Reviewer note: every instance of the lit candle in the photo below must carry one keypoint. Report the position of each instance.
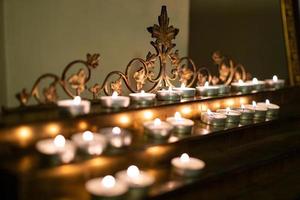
(224, 89)
(115, 101)
(187, 166)
(208, 90)
(233, 116)
(213, 118)
(243, 87)
(185, 91)
(117, 137)
(275, 82)
(107, 188)
(89, 143)
(273, 109)
(57, 150)
(259, 111)
(181, 125)
(246, 114)
(158, 129)
(168, 95)
(142, 98)
(75, 106)
(257, 84)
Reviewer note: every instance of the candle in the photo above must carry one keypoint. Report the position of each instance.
(57, 150)
(158, 129)
(168, 95)
(259, 111)
(275, 82)
(106, 188)
(243, 87)
(233, 116)
(115, 101)
(185, 91)
(273, 109)
(187, 166)
(246, 114)
(213, 118)
(90, 143)
(224, 89)
(75, 106)
(181, 125)
(117, 137)
(208, 90)
(257, 85)
(142, 98)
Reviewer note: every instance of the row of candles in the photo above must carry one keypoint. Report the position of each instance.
(78, 106)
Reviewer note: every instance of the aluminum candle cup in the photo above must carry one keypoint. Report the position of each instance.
(246, 114)
(138, 181)
(142, 98)
(208, 90)
(213, 118)
(117, 137)
(242, 87)
(181, 125)
(107, 188)
(259, 111)
(187, 166)
(115, 101)
(275, 82)
(56, 151)
(89, 143)
(185, 91)
(233, 116)
(257, 85)
(168, 95)
(75, 106)
(224, 89)
(273, 109)
(158, 129)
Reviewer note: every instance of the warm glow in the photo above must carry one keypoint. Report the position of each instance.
(186, 110)
(275, 78)
(108, 181)
(206, 84)
(143, 92)
(148, 114)
(216, 105)
(24, 133)
(267, 101)
(116, 130)
(182, 85)
(59, 141)
(77, 100)
(254, 103)
(184, 158)
(157, 122)
(241, 82)
(82, 125)
(209, 112)
(177, 116)
(52, 129)
(254, 80)
(229, 102)
(243, 100)
(133, 171)
(124, 120)
(87, 136)
(115, 94)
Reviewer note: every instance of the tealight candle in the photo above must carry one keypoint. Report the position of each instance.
(213, 118)
(187, 166)
(275, 82)
(243, 87)
(57, 150)
(158, 129)
(168, 95)
(257, 85)
(75, 106)
(142, 98)
(259, 111)
(208, 90)
(115, 101)
(185, 91)
(106, 188)
(117, 137)
(233, 116)
(90, 143)
(246, 114)
(181, 125)
(224, 89)
(273, 109)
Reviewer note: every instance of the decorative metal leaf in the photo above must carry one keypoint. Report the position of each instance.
(93, 60)
(23, 97)
(50, 94)
(77, 81)
(95, 90)
(117, 86)
(140, 78)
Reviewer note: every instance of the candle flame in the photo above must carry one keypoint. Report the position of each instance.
(182, 85)
(157, 122)
(143, 92)
(108, 181)
(184, 158)
(242, 106)
(59, 141)
(133, 171)
(116, 130)
(267, 101)
(170, 88)
(87, 136)
(240, 82)
(177, 116)
(115, 94)
(206, 84)
(254, 80)
(254, 103)
(77, 100)
(227, 109)
(209, 111)
(275, 78)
